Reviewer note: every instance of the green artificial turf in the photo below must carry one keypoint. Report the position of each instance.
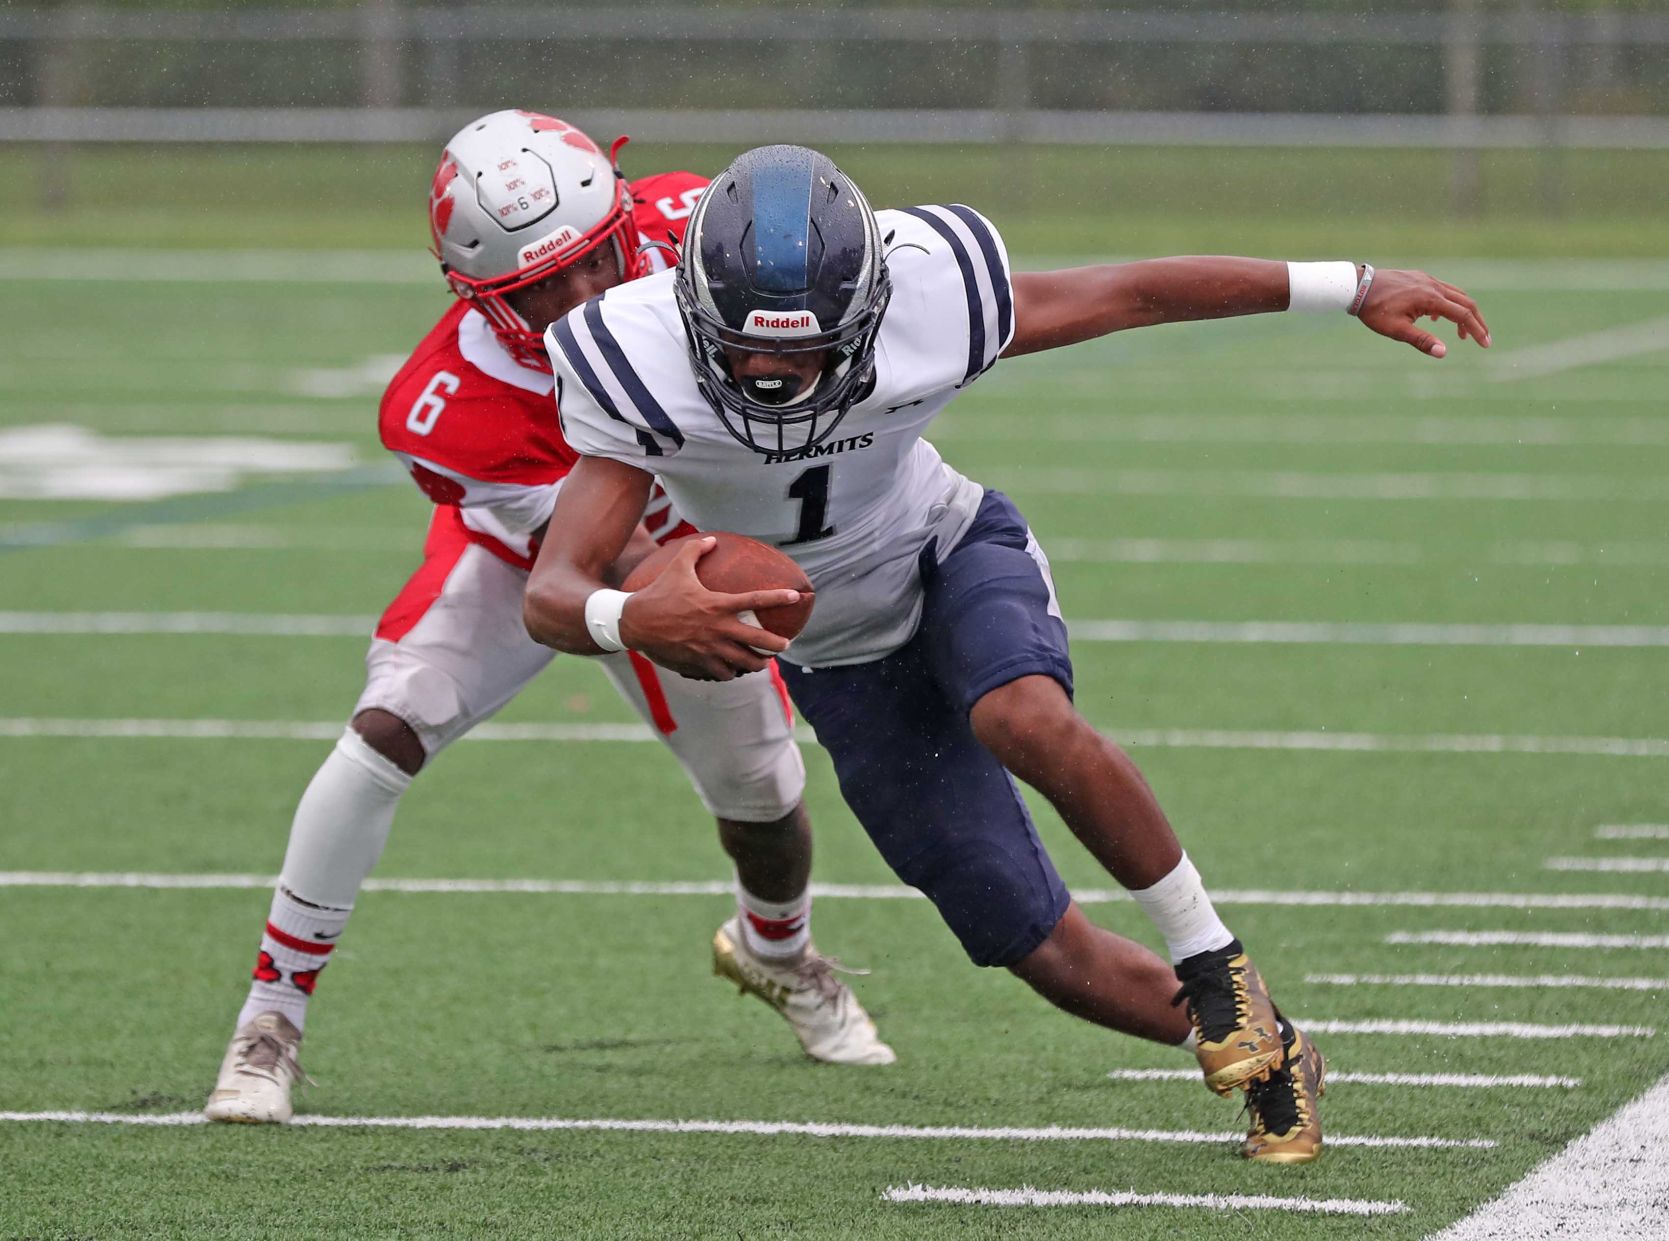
(596, 1006)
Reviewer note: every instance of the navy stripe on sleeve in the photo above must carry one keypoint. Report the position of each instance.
(994, 265)
(644, 401)
(976, 308)
(563, 331)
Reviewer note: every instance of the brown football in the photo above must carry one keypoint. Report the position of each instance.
(737, 565)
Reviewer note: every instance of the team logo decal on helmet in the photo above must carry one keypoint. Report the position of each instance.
(783, 259)
(519, 196)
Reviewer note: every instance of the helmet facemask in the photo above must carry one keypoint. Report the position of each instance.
(806, 418)
(735, 297)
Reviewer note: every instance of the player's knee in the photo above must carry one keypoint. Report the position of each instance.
(755, 784)
(999, 902)
(391, 737)
(1026, 723)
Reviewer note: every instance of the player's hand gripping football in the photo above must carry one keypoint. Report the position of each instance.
(1399, 299)
(696, 632)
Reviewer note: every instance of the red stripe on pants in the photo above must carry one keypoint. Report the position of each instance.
(782, 693)
(445, 546)
(650, 681)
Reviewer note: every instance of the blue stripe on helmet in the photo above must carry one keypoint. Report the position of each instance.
(782, 226)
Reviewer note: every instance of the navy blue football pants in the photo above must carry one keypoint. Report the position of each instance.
(944, 813)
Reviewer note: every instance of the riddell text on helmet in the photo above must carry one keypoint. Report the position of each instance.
(782, 323)
(558, 241)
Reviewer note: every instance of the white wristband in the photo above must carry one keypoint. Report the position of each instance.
(1321, 286)
(602, 617)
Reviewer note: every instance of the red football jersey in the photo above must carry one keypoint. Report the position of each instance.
(478, 430)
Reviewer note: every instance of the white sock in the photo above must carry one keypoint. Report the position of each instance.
(774, 930)
(340, 828)
(1183, 913)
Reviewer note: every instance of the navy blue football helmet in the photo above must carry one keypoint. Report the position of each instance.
(783, 259)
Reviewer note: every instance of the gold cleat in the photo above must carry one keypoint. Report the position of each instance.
(1286, 1122)
(1237, 1035)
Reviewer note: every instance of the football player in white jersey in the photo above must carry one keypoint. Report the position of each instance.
(529, 218)
(777, 383)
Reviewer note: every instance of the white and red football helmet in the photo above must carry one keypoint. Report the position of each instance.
(519, 196)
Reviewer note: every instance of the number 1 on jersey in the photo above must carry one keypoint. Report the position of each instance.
(811, 489)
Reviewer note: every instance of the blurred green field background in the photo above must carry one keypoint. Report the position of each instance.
(1391, 204)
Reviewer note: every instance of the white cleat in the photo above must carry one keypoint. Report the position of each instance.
(832, 1026)
(257, 1073)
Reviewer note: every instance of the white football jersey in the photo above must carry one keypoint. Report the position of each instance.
(856, 511)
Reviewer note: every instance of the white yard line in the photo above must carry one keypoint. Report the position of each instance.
(1027, 1196)
(1561, 981)
(1153, 738)
(832, 891)
(1611, 865)
(1317, 485)
(1527, 939)
(1328, 633)
(219, 624)
(1607, 345)
(1612, 1182)
(192, 536)
(1632, 831)
(404, 266)
(763, 1128)
(344, 267)
(1284, 633)
(1485, 430)
(1479, 1029)
(1243, 552)
(1458, 1081)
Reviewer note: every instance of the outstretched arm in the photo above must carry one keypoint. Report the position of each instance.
(1055, 308)
(675, 620)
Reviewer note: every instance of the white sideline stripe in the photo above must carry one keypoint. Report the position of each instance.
(1027, 1196)
(1240, 552)
(1460, 1081)
(1528, 939)
(1303, 485)
(1607, 345)
(221, 266)
(1479, 1029)
(1303, 633)
(1632, 831)
(1493, 430)
(1591, 981)
(765, 1128)
(1611, 865)
(1343, 552)
(1612, 1182)
(1155, 738)
(833, 891)
(225, 624)
(360, 266)
(1325, 633)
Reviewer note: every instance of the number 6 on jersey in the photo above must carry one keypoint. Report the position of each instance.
(426, 409)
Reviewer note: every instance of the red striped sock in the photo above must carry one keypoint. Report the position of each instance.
(295, 947)
(775, 930)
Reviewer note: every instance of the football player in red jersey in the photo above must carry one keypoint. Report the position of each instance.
(529, 219)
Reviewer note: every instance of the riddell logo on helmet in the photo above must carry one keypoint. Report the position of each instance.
(557, 242)
(781, 323)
